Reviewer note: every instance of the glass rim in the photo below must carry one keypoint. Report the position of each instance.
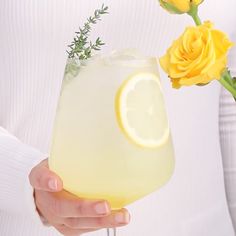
(129, 57)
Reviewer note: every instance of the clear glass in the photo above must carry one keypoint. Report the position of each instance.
(89, 151)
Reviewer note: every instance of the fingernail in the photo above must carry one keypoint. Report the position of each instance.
(52, 184)
(101, 208)
(122, 218)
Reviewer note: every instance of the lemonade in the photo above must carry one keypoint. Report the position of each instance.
(111, 137)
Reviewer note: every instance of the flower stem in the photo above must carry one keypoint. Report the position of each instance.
(197, 19)
(226, 81)
(193, 12)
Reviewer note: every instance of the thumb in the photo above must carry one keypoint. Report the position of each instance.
(41, 178)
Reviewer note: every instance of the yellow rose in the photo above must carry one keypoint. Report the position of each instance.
(179, 6)
(197, 57)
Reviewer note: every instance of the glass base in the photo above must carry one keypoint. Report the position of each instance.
(109, 232)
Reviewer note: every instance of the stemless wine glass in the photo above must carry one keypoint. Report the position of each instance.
(111, 137)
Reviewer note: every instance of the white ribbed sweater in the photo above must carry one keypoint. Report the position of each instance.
(227, 119)
(33, 39)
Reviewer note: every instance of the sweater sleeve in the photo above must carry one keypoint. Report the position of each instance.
(16, 161)
(227, 119)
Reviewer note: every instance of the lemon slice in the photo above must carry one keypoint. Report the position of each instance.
(141, 111)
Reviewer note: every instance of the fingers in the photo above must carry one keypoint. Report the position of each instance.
(82, 224)
(116, 219)
(64, 204)
(41, 178)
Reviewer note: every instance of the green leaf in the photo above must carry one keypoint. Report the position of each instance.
(228, 82)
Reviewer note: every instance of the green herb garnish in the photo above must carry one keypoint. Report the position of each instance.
(81, 48)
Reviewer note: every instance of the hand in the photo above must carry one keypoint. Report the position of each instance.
(69, 214)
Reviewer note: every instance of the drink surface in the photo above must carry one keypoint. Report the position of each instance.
(89, 151)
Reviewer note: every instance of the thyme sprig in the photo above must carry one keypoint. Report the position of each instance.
(81, 48)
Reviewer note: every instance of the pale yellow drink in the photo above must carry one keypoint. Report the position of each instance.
(91, 150)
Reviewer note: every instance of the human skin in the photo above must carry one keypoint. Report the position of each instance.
(67, 213)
